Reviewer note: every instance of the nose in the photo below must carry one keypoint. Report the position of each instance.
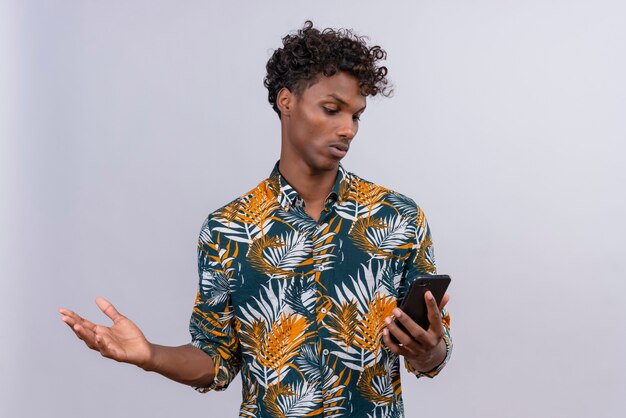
(348, 128)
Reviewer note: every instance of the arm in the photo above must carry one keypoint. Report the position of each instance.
(124, 342)
(213, 325)
(213, 358)
(425, 351)
(184, 364)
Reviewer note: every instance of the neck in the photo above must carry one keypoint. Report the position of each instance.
(313, 187)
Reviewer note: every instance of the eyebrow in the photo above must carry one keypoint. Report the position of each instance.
(343, 102)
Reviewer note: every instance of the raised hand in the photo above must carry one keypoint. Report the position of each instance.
(123, 341)
(425, 349)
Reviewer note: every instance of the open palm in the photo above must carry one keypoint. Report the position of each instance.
(123, 341)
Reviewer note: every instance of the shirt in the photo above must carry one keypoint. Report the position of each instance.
(298, 305)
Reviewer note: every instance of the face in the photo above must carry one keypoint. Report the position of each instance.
(319, 124)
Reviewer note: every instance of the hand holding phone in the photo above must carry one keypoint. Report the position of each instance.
(414, 304)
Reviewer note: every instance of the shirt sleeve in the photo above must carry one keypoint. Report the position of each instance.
(422, 261)
(213, 325)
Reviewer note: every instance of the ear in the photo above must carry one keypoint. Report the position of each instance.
(284, 101)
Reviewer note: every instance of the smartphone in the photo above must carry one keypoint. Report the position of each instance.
(414, 304)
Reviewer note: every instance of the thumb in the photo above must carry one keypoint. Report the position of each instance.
(108, 309)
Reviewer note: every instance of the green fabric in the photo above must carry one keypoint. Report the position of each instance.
(298, 305)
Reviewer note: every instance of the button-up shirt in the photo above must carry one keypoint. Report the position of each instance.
(298, 305)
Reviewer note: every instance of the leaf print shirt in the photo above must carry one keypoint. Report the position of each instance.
(298, 305)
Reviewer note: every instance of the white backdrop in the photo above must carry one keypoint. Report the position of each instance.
(124, 123)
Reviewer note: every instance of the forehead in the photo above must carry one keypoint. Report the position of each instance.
(342, 86)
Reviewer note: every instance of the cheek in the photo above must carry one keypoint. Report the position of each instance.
(312, 128)
(315, 128)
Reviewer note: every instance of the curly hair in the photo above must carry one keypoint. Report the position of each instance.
(310, 52)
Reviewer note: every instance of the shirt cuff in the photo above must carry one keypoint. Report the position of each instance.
(220, 381)
(435, 371)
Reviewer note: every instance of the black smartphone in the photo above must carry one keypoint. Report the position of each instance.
(414, 304)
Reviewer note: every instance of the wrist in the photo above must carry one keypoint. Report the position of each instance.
(149, 364)
(430, 362)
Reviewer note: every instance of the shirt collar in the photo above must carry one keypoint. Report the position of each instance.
(288, 197)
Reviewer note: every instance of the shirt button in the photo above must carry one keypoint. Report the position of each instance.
(323, 310)
(325, 352)
(319, 267)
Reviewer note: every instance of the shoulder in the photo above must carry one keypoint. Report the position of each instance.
(227, 214)
(361, 189)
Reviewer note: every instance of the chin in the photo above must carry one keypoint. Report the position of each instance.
(331, 165)
(325, 164)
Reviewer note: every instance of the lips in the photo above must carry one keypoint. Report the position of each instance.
(339, 150)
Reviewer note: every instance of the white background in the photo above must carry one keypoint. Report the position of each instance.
(124, 123)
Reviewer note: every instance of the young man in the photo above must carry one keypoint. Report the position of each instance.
(299, 277)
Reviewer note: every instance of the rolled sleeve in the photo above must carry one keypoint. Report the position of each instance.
(212, 325)
(446, 338)
(422, 261)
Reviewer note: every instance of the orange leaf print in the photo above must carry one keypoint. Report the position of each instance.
(370, 327)
(283, 341)
(366, 194)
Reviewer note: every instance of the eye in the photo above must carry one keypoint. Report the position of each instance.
(330, 110)
(356, 118)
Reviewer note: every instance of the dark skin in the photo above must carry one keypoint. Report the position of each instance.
(318, 126)
(124, 342)
(425, 349)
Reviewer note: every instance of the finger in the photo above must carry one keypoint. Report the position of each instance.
(444, 301)
(393, 346)
(86, 335)
(108, 309)
(76, 324)
(65, 311)
(101, 344)
(434, 314)
(404, 336)
(106, 347)
(415, 332)
(88, 324)
(72, 318)
(68, 313)
(70, 322)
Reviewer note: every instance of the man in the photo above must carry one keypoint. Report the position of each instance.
(299, 277)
